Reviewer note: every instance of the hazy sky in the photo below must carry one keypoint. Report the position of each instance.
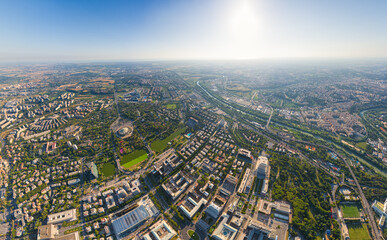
(191, 29)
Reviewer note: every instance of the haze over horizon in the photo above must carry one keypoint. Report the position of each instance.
(45, 30)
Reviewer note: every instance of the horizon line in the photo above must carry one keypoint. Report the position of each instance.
(240, 59)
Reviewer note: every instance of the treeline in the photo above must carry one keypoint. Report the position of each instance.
(307, 190)
(357, 108)
(31, 193)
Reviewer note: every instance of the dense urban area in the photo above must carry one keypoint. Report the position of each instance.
(193, 150)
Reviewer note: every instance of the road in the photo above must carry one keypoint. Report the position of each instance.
(117, 159)
(271, 114)
(229, 106)
(376, 233)
(335, 209)
(202, 234)
(185, 236)
(116, 102)
(374, 228)
(5, 215)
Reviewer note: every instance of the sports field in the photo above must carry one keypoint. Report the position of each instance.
(358, 232)
(134, 158)
(350, 210)
(160, 145)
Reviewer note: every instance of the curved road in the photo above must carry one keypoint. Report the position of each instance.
(117, 159)
(374, 228)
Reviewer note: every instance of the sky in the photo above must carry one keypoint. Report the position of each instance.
(72, 30)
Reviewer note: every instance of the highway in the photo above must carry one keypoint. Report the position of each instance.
(271, 114)
(376, 233)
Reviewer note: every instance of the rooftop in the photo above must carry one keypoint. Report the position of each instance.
(71, 236)
(69, 215)
(47, 231)
(160, 231)
(190, 206)
(130, 220)
(224, 231)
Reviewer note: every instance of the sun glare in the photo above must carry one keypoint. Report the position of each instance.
(244, 29)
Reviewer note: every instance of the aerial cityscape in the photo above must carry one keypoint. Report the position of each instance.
(221, 143)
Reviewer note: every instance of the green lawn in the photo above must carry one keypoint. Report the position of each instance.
(108, 169)
(171, 106)
(350, 210)
(362, 145)
(358, 232)
(160, 145)
(193, 235)
(240, 204)
(134, 158)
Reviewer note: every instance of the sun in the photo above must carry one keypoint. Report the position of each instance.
(243, 20)
(244, 27)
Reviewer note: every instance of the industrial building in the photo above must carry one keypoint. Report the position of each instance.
(126, 224)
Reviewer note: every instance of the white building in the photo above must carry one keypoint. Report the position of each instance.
(190, 206)
(65, 216)
(126, 224)
(224, 231)
(214, 210)
(381, 210)
(50, 232)
(160, 231)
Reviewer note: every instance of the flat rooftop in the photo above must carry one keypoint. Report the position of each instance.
(130, 220)
(69, 215)
(264, 206)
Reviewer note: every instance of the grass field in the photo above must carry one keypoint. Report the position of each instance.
(160, 145)
(171, 106)
(134, 158)
(108, 169)
(350, 210)
(362, 145)
(193, 235)
(358, 232)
